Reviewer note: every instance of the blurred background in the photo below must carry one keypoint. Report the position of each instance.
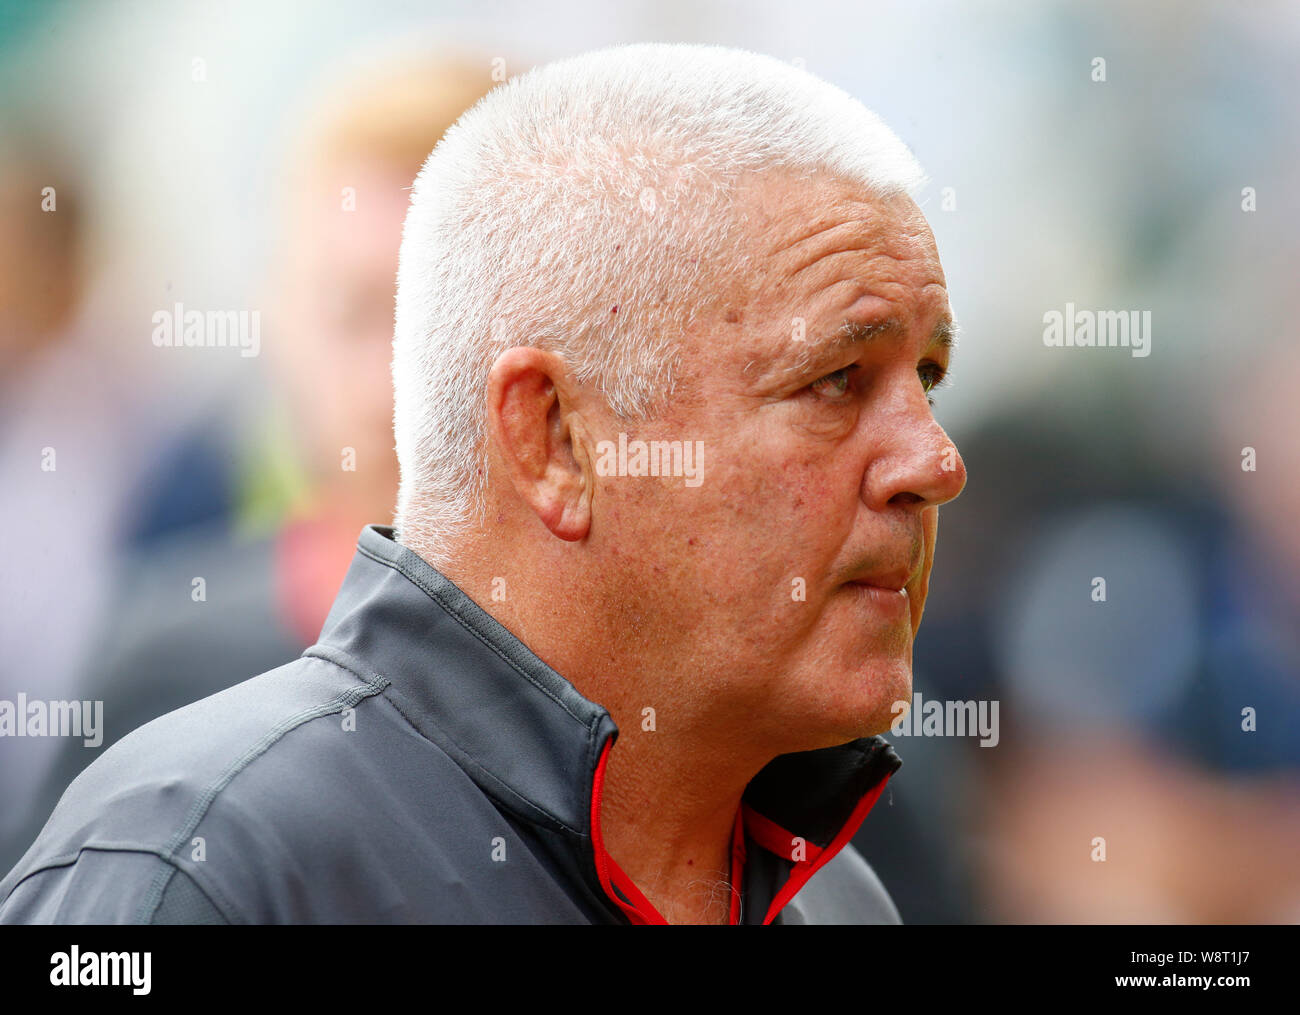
(253, 158)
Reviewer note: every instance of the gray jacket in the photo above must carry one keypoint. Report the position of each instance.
(417, 765)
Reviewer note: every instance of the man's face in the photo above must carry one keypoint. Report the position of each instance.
(777, 578)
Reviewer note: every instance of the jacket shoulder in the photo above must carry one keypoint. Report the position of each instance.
(130, 818)
(109, 887)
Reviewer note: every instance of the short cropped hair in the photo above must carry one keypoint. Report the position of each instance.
(588, 207)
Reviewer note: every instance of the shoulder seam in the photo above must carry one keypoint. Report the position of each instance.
(370, 687)
(71, 859)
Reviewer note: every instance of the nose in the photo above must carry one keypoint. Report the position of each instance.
(916, 464)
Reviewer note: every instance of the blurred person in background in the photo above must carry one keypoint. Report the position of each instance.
(1123, 719)
(71, 443)
(1128, 786)
(269, 526)
(1152, 764)
(1153, 774)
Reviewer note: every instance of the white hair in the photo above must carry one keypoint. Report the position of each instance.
(588, 207)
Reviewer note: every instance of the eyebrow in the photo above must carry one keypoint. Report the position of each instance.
(857, 333)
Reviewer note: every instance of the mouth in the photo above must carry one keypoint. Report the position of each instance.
(882, 595)
(888, 580)
(881, 584)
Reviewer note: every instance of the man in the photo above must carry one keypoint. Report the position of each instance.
(667, 324)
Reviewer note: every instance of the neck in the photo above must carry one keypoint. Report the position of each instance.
(674, 779)
(668, 814)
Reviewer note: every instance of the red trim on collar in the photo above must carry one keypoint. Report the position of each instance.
(767, 833)
(622, 889)
(770, 834)
(775, 839)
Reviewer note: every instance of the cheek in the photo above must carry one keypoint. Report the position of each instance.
(761, 517)
(774, 518)
(812, 507)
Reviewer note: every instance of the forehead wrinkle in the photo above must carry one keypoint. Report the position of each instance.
(817, 231)
(824, 255)
(864, 233)
(846, 235)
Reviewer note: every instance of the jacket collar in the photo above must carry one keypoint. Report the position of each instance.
(529, 740)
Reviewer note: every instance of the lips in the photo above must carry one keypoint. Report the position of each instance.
(885, 600)
(884, 586)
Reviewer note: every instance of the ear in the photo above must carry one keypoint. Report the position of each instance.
(534, 424)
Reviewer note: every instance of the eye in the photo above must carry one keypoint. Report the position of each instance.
(833, 387)
(932, 376)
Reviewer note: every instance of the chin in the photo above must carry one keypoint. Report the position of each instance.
(875, 660)
(889, 684)
(861, 704)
